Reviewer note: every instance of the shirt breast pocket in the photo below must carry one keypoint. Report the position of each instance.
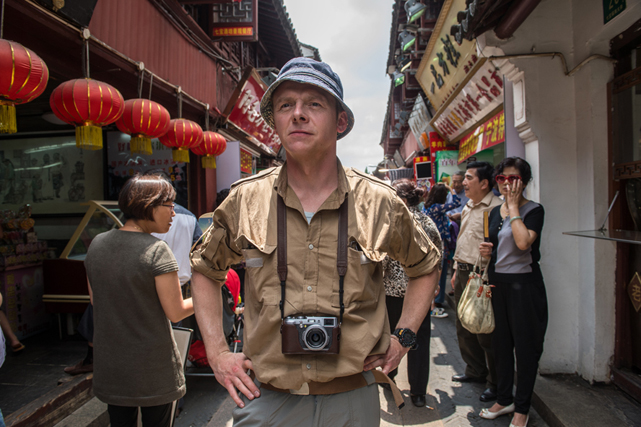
(360, 285)
(261, 279)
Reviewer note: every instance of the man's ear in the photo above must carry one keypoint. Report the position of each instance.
(342, 122)
(485, 184)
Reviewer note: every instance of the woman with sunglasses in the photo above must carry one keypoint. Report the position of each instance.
(518, 296)
(134, 289)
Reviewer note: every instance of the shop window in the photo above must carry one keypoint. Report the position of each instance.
(626, 121)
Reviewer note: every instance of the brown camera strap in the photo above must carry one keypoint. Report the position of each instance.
(341, 259)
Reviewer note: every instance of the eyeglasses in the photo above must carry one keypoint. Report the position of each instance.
(171, 206)
(500, 179)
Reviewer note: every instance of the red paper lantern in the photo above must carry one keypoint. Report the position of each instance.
(143, 120)
(182, 135)
(213, 144)
(23, 77)
(88, 104)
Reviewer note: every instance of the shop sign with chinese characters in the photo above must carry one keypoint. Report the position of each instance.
(243, 110)
(446, 65)
(437, 144)
(490, 133)
(235, 20)
(482, 94)
(246, 162)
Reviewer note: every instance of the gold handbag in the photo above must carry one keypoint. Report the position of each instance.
(475, 307)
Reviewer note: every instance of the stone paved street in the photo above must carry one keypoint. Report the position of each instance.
(449, 404)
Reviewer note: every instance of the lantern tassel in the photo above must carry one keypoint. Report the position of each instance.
(8, 118)
(180, 155)
(209, 162)
(140, 145)
(89, 137)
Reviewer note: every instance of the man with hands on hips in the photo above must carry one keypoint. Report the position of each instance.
(313, 235)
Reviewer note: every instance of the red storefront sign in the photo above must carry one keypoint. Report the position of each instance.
(243, 110)
(490, 133)
(437, 144)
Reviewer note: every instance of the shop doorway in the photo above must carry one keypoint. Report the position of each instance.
(624, 106)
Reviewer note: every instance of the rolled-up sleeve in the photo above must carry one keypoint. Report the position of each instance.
(409, 244)
(218, 251)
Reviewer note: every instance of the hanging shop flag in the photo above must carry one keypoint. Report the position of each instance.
(235, 20)
(243, 110)
(446, 65)
(481, 96)
(490, 133)
(246, 162)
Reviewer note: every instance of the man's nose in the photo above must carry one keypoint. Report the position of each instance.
(299, 112)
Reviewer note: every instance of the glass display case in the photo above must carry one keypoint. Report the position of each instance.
(65, 278)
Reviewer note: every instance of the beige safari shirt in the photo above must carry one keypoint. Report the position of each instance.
(379, 224)
(470, 235)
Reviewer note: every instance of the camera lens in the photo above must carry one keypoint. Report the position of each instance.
(315, 337)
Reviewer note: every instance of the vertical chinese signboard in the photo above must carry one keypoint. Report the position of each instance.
(235, 20)
(243, 110)
(464, 88)
(446, 65)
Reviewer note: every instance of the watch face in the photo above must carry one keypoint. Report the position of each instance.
(406, 337)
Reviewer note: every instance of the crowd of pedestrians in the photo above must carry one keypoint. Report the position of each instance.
(341, 275)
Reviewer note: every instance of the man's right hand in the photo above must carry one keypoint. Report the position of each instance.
(453, 279)
(231, 372)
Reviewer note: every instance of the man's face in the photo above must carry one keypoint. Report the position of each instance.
(306, 121)
(457, 183)
(474, 189)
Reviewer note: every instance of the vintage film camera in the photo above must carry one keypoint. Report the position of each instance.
(311, 334)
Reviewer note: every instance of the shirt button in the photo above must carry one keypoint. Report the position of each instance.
(311, 247)
(309, 289)
(309, 366)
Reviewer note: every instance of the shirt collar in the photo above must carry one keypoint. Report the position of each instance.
(335, 198)
(486, 200)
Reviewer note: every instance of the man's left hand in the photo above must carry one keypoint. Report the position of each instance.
(388, 361)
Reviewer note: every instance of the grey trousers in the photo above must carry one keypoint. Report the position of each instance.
(356, 408)
(476, 349)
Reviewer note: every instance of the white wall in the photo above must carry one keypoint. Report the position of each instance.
(566, 144)
(228, 166)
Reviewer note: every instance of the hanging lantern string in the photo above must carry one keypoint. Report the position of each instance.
(141, 78)
(207, 117)
(2, 20)
(180, 102)
(85, 58)
(151, 83)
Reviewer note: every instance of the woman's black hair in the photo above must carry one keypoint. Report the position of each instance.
(515, 162)
(141, 194)
(408, 190)
(437, 195)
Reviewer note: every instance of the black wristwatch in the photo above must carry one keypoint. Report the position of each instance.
(406, 337)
